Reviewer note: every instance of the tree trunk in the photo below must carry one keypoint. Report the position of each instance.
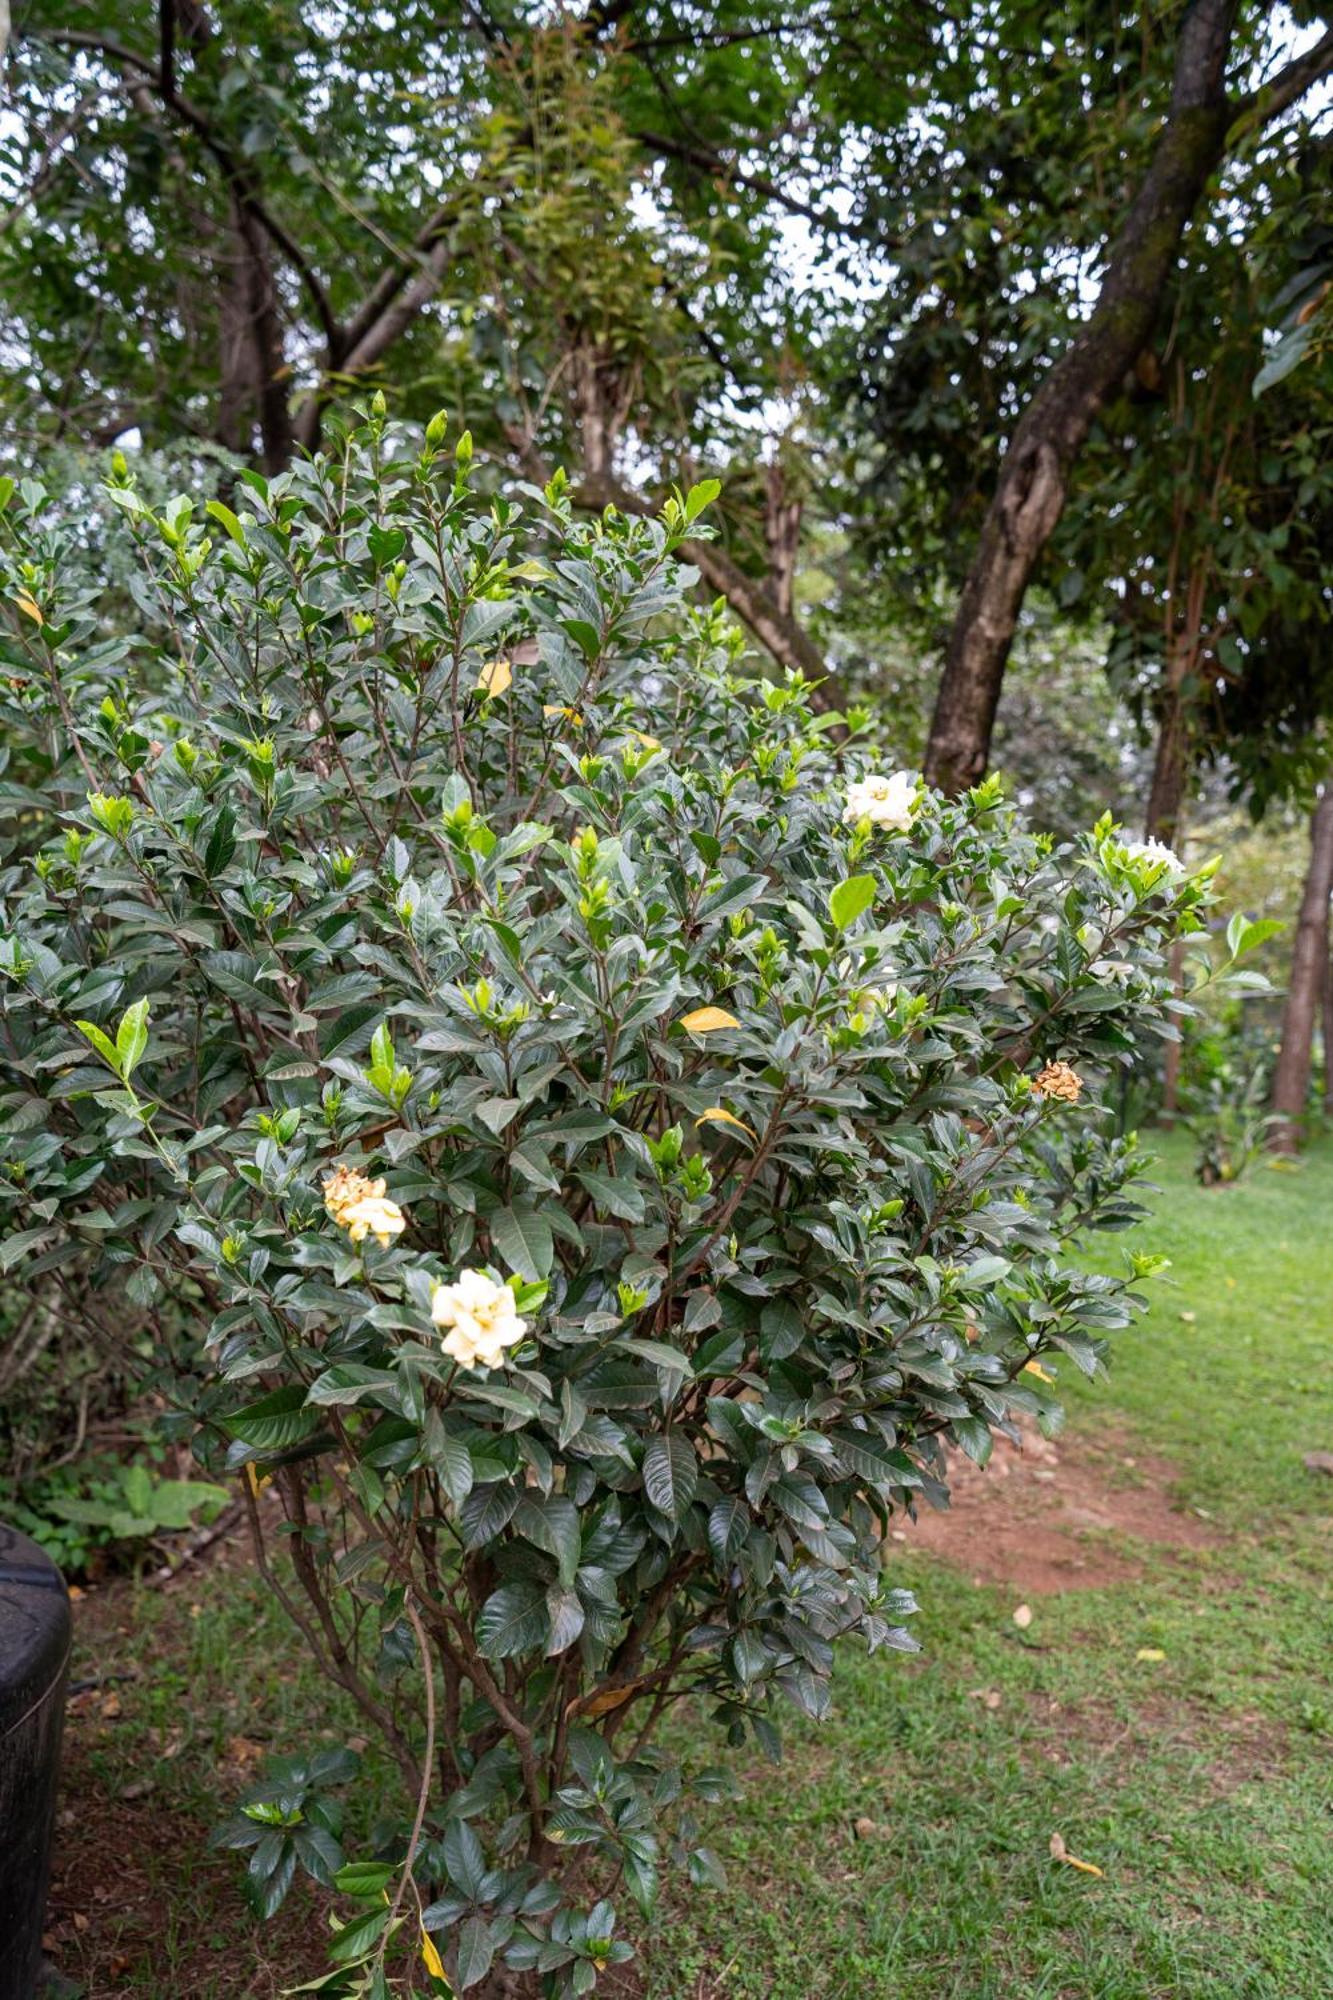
(1309, 961)
(1165, 803)
(1328, 1038)
(1166, 795)
(782, 534)
(1034, 477)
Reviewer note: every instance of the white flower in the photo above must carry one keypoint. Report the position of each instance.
(480, 1317)
(374, 1216)
(1154, 854)
(886, 799)
(361, 1207)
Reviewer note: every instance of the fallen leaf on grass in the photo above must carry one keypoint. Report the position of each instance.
(110, 1709)
(990, 1696)
(1023, 1617)
(1150, 1653)
(1059, 1852)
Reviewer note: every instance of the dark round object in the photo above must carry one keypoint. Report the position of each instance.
(34, 1658)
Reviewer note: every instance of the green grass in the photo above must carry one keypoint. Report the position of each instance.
(1199, 1784)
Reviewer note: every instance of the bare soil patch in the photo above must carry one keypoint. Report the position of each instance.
(139, 1905)
(1068, 1514)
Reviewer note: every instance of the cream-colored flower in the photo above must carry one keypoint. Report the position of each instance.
(1058, 1080)
(886, 799)
(1154, 854)
(361, 1207)
(480, 1318)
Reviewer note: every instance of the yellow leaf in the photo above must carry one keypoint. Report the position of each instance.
(1023, 1617)
(1150, 1653)
(31, 606)
(704, 1020)
(495, 677)
(1059, 1852)
(645, 742)
(715, 1115)
(603, 1699)
(430, 1957)
(553, 712)
(256, 1484)
(1035, 1368)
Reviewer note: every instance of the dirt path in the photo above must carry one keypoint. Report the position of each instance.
(1068, 1515)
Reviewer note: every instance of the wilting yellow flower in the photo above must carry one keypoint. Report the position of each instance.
(480, 1318)
(1058, 1080)
(886, 799)
(360, 1206)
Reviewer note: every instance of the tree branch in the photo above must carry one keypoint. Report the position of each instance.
(781, 634)
(1271, 99)
(237, 176)
(400, 308)
(706, 162)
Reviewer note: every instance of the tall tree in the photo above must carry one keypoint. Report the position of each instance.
(1305, 983)
(1033, 483)
(224, 220)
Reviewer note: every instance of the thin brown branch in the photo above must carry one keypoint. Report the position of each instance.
(1271, 99)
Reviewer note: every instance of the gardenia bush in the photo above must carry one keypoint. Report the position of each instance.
(611, 1143)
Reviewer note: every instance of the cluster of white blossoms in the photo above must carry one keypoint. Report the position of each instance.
(361, 1207)
(480, 1319)
(886, 799)
(1154, 854)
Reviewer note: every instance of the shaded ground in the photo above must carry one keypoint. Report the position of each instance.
(152, 1756)
(1075, 1514)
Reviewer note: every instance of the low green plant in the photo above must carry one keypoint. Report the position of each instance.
(1225, 1090)
(613, 1143)
(100, 1507)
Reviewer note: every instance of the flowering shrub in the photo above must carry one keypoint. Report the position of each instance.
(611, 1145)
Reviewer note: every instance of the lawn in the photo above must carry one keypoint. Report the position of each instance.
(1174, 1725)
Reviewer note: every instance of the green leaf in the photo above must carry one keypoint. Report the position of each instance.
(728, 1525)
(669, 1359)
(512, 1620)
(850, 899)
(449, 1456)
(1245, 935)
(522, 1238)
(701, 496)
(359, 1938)
(670, 1473)
(552, 1525)
(132, 1037)
(221, 843)
(475, 1952)
(275, 1421)
(218, 510)
(349, 1382)
(364, 1878)
(102, 1042)
(464, 1859)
